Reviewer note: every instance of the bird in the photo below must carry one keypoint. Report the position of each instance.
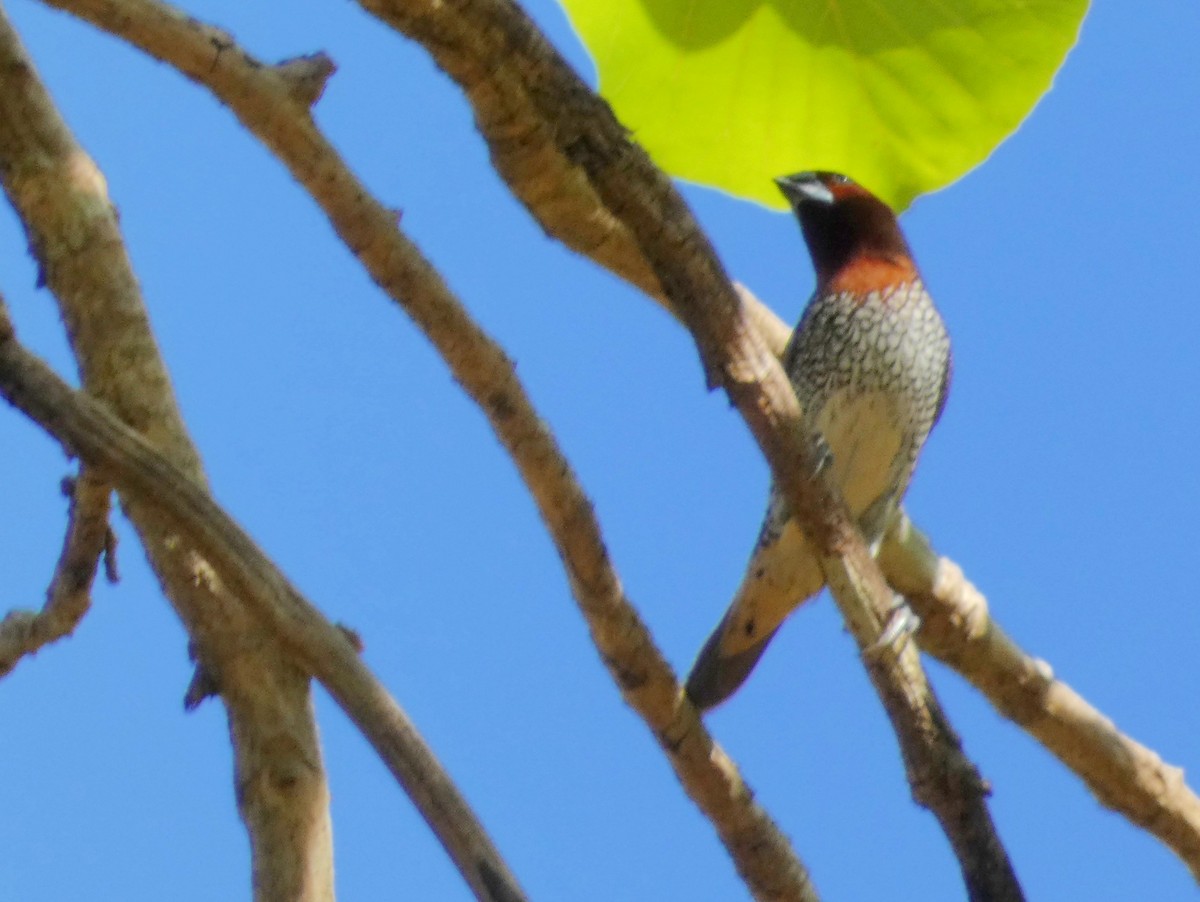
(871, 364)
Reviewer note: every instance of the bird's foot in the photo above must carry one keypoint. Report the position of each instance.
(900, 628)
(822, 454)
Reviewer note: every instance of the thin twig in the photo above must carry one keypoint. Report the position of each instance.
(87, 539)
(86, 429)
(255, 93)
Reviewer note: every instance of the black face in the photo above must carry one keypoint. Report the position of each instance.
(841, 220)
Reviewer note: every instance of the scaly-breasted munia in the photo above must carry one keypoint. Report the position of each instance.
(870, 364)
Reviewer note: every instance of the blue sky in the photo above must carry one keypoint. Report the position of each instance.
(1062, 478)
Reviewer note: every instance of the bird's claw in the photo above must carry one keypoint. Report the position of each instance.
(900, 628)
(822, 454)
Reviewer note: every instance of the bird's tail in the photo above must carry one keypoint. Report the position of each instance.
(782, 573)
(717, 673)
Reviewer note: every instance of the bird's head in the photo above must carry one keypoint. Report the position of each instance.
(853, 237)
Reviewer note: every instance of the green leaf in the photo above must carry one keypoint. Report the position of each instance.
(904, 96)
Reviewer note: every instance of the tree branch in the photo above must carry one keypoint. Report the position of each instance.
(565, 153)
(530, 109)
(957, 629)
(88, 538)
(61, 199)
(1123, 774)
(536, 116)
(86, 429)
(256, 95)
(688, 272)
(519, 89)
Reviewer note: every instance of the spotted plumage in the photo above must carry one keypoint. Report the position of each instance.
(870, 364)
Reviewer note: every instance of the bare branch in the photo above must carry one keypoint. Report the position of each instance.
(534, 115)
(687, 270)
(254, 93)
(941, 776)
(88, 538)
(88, 430)
(540, 123)
(61, 198)
(531, 107)
(538, 120)
(539, 163)
(956, 628)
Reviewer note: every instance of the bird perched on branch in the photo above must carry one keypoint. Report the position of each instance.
(870, 364)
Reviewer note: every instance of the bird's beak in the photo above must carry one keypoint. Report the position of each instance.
(804, 187)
